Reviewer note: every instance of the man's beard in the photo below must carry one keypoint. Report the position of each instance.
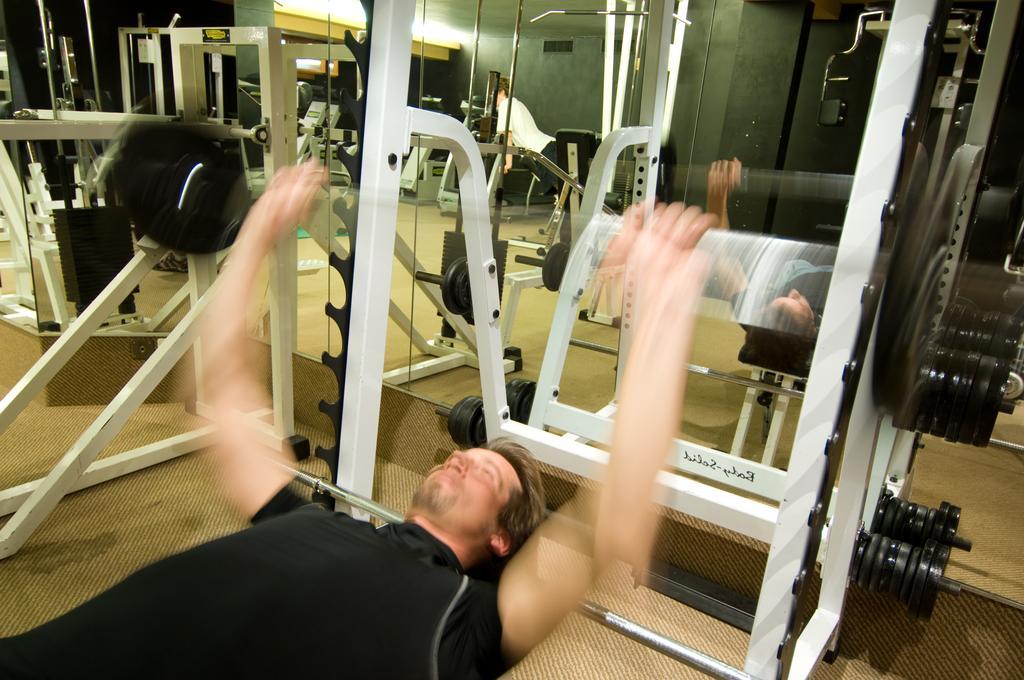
(430, 497)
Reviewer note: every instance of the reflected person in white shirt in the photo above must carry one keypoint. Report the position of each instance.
(523, 131)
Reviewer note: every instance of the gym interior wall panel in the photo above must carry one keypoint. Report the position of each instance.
(769, 51)
(833, 149)
(561, 90)
(702, 90)
(107, 17)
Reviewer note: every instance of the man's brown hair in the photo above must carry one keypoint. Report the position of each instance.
(524, 509)
(503, 87)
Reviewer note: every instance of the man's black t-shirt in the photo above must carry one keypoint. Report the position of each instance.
(303, 591)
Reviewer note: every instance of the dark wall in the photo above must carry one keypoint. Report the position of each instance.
(749, 86)
(107, 17)
(816, 148)
(702, 90)
(769, 54)
(561, 90)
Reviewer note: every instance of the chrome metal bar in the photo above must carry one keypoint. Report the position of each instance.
(746, 382)
(590, 12)
(1006, 446)
(355, 500)
(48, 51)
(511, 89)
(593, 346)
(659, 643)
(645, 636)
(717, 375)
(92, 55)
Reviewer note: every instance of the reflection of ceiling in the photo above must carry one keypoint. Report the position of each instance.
(498, 17)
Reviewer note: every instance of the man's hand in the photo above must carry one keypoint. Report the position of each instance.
(285, 204)
(508, 163)
(723, 177)
(232, 389)
(667, 277)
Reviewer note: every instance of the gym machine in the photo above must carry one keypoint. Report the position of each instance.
(32, 502)
(841, 415)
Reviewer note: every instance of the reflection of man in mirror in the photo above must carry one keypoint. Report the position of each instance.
(783, 306)
(523, 131)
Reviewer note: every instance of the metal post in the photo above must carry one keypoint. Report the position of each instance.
(508, 118)
(92, 54)
(609, 70)
(48, 50)
(472, 65)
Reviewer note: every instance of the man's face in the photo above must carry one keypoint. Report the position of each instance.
(797, 312)
(464, 494)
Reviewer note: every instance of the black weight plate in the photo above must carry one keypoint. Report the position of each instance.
(900, 568)
(969, 368)
(933, 378)
(554, 266)
(886, 562)
(929, 523)
(954, 372)
(976, 401)
(952, 525)
(479, 428)
(180, 187)
(463, 421)
(858, 556)
(908, 576)
(880, 507)
(952, 323)
(989, 326)
(897, 529)
(1005, 338)
(455, 289)
(993, 400)
(916, 524)
(939, 385)
(870, 562)
(921, 576)
(931, 591)
(906, 309)
(941, 518)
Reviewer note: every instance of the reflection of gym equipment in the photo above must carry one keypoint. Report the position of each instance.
(32, 502)
(832, 110)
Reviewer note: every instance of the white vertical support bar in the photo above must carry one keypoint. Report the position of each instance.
(675, 56)
(12, 205)
(778, 419)
(624, 65)
(156, 55)
(652, 115)
(95, 314)
(896, 86)
(576, 277)
(483, 269)
(202, 271)
(278, 109)
(182, 58)
(123, 38)
(66, 474)
(609, 70)
(47, 258)
(384, 141)
(743, 424)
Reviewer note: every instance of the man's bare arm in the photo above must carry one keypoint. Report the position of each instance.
(232, 389)
(668, 278)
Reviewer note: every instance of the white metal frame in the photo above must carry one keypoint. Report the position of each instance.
(785, 527)
(34, 501)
